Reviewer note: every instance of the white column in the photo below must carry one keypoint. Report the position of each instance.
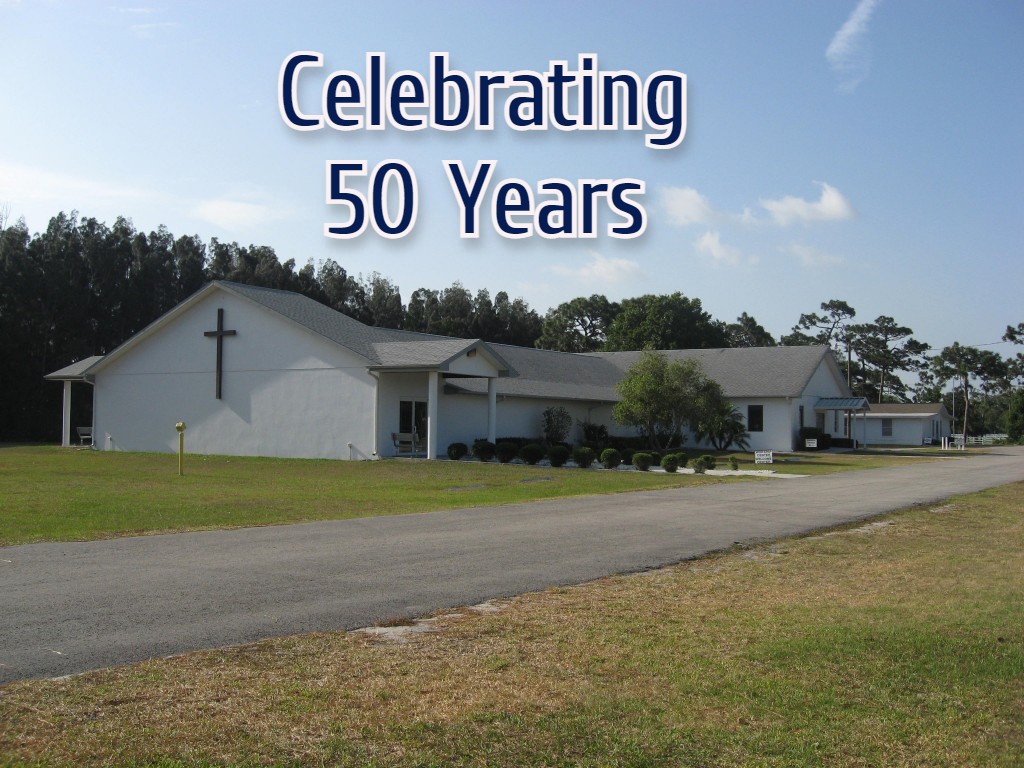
(492, 410)
(432, 394)
(65, 435)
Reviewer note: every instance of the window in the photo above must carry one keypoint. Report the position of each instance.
(412, 417)
(801, 415)
(755, 418)
(886, 427)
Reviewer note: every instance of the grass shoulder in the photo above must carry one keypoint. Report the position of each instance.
(895, 642)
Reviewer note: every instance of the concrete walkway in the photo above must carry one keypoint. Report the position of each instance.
(67, 608)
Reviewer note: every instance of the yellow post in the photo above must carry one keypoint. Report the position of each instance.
(180, 426)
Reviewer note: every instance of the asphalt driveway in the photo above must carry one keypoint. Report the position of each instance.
(71, 607)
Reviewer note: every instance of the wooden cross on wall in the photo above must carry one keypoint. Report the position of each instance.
(220, 333)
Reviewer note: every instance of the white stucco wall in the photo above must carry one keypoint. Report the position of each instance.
(464, 417)
(286, 391)
(906, 430)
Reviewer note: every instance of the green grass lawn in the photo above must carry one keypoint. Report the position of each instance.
(824, 462)
(897, 643)
(58, 494)
(55, 494)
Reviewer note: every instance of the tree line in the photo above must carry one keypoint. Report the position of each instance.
(82, 287)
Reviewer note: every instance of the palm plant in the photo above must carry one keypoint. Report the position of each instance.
(723, 426)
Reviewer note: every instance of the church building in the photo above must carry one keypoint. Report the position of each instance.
(262, 372)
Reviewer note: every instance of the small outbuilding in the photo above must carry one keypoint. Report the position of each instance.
(910, 424)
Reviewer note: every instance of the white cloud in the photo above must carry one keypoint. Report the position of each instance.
(812, 257)
(831, 206)
(234, 215)
(22, 183)
(601, 270)
(849, 54)
(711, 244)
(685, 206)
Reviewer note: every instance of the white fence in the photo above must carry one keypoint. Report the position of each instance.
(978, 440)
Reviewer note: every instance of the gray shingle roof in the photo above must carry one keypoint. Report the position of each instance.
(907, 409)
(427, 352)
(742, 372)
(745, 371)
(375, 344)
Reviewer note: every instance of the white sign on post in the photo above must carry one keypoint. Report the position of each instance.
(811, 442)
(763, 457)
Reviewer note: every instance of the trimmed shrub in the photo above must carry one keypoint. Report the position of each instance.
(813, 433)
(610, 458)
(558, 455)
(669, 462)
(733, 464)
(627, 455)
(457, 451)
(555, 423)
(519, 442)
(700, 465)
(531, 453)
(709, 461)
(642, 461)
(506, 451)
(483, 450)
(594, 435)
(583, 457)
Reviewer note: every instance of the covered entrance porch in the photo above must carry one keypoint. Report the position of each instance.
(415, 417)
(75, 373)
(849, 407)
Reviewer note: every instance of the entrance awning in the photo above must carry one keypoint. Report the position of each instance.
(842, 404)
(75, 371)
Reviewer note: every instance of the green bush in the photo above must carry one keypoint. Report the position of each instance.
(583, 457)
(642, 461)
(670, 462)
(555, 423)
(457, 451)
(733, 464)
(682, 459)
(531, 453)
(483, 450)
(824, 438)
(506, 451)
(558, 455)
(594, 435)
(709, 461)
(699, 465)
(610, 458)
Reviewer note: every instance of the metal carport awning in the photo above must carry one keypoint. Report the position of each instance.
(842, 404)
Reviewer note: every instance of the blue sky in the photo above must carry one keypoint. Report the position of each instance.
(865, 151)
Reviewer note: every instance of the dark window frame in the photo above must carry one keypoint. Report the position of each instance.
(755, 423)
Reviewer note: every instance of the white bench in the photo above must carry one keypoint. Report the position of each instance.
(406, 442)
(84, 435)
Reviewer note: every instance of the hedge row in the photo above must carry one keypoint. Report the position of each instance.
(583, 456)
